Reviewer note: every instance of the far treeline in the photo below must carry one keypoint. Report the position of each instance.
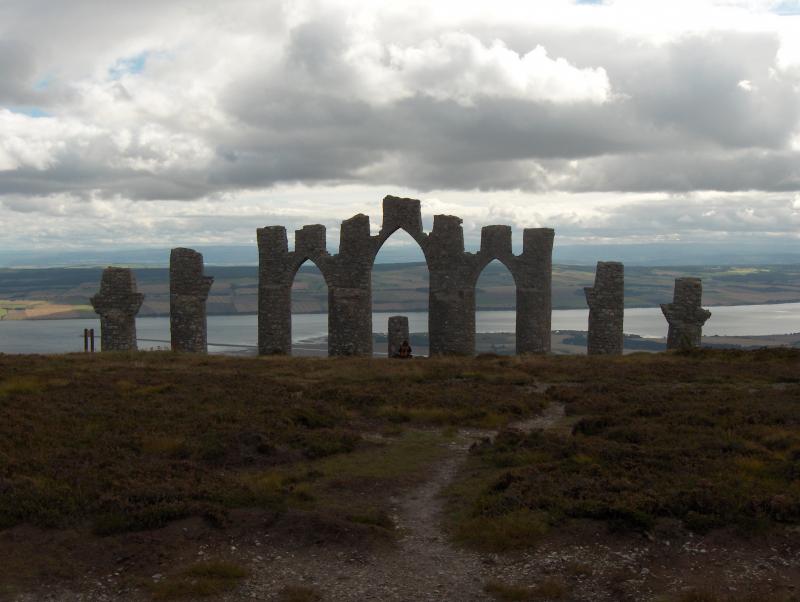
(400, 287)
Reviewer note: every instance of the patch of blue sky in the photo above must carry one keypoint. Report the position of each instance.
(787, 7)
(29, 111)
(129, 65)
(589, 1)
(42, 83)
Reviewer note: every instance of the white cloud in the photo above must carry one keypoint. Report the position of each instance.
(459, 67)
(223, 104)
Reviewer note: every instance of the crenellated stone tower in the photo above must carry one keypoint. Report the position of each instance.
(685, 314)
(117, 303)
(453, 275)
(188, 292)
(606, 300)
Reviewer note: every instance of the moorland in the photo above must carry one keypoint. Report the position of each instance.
(670, 476)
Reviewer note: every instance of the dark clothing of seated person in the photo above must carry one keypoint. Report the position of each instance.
(405, 351)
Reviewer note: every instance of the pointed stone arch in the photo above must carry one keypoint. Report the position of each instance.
(452, 273)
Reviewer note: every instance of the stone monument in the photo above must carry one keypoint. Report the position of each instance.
(453, 275)
(606, 301)
(117, 303)
(685, 314)
(188, 291)
(398, 332)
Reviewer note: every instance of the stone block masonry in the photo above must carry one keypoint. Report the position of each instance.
(685, 314)
(188, 292)
(398, 332)
(606, 300)
(117, 303)
(453, 275)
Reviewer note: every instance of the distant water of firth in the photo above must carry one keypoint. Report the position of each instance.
(235, 333)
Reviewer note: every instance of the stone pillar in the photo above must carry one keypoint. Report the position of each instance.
(350, 291)
(274, 292)
(451, 300)
(685, 314)
(397, 333)
(534, 277)
(606, 301)
(188, 291)
(401, 213)
(117, 303)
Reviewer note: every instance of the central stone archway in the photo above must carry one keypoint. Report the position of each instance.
(452, 271)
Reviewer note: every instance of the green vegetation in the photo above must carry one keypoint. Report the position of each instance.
(100, 447)
(130, 442)
(708, 439)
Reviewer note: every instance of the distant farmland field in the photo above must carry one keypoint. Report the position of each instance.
(65, 292)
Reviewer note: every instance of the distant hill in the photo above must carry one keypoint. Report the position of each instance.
(65, 292)
(651, 254)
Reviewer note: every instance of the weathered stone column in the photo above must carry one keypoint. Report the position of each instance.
(534, 276)
(350, 291)
(397, 333)
(117, 303)
(685, 314)
(451, 300)
(188, 291)
(606, 301)
(274, 292)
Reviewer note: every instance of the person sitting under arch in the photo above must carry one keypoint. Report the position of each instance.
(404, 352)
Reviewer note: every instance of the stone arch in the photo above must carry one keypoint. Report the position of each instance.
(276, 272)
(452, 272)
(401, 214)
(419, 237)
(382, 298)
(484, 260)
(298, 262)
(483, 265)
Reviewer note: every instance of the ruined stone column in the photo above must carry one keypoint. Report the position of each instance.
(534, 275)
(451, 300)
(274, 292)
(606, 301)
(117, 303)
(685, 314)
(398, 332)
(188, 291)
(350, 291)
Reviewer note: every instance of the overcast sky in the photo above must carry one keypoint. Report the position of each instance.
(156, 123)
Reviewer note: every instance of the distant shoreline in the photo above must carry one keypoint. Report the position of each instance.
(84, 315)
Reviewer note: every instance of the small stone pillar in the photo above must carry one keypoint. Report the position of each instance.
(188, 291)
(398, 332)
(606, 301)
(685, 314)
(117, 303)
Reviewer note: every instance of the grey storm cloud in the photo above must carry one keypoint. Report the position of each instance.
(197, 101)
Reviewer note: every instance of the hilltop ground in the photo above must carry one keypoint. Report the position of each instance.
(161, 476)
